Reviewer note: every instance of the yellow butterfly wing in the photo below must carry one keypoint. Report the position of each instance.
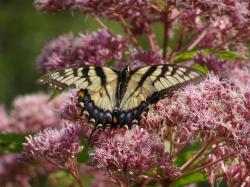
(150, 83)
(100, 83)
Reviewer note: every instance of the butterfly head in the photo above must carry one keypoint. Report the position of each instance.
(127, 71)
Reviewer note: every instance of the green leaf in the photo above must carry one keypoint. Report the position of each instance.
(11, 143)
(220, 54)
(195, 178)
(9, 138)
(185, 56)
(227, 55)
(83, 156)
(62, 178)
(54, 94)
(201, 68)
(186, 154)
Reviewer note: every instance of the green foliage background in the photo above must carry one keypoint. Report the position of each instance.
(23, 33)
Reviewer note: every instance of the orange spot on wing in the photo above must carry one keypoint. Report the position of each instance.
(81, 94)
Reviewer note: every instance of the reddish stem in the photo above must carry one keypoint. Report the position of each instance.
(199, 169)
(71, 166)
(178, 44)
(195, 157)
(166, 28)
(128, 30)
(152, 40)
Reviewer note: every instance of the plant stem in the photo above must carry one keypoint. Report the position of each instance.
(100, 22)
(171, 142)
(204, 167)
(195, 157)
(123, 184)
(166, 28)
(128, 30)
(71, 166)
(152, 40)
(178, 44)
(197, 40)
(77, 178)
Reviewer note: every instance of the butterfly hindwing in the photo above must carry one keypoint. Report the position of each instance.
(151, 83)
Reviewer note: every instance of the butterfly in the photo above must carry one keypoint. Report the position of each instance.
(112, 98)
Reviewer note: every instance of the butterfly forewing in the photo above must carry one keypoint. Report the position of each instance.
(147, 82)
(99, 82)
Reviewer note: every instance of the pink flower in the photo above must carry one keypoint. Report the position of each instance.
(214, 64)
(140, 58)
(56, 54)
(227, 165)
(31, 113)
(69, 109)
(12, 171)
(49, 5)
(238, 11)
(217, 24)
(54, 5)
(143, 58)
(236, 173)
(58, 147)
(70, 112)
(97, 48)
(237, 72)
(132, 152)
(136, 12)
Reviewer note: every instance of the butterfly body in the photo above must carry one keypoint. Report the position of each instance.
(116, 117)
(112, 98)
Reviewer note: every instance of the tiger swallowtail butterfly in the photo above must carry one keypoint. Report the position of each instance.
(112, 98)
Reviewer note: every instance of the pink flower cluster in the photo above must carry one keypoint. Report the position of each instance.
(215, 112)
(238, 72)
(131, 153)
(31, 113)
(12, 171)
(220, 23)
(236, 174)
(97, 48)
(212, 24)
(135, 12)
(58, 147)
(238, 11)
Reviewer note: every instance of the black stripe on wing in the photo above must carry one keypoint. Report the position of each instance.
(62, 79)
(100, 73)
(148, 73)
(156, 96)
(103, 77)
